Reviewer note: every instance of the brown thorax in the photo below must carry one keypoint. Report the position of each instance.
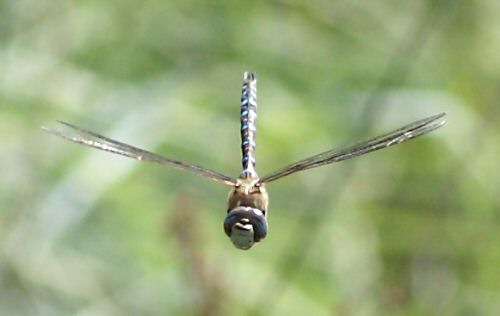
(249, 192)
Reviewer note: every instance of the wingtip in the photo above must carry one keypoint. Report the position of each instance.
(52, 130)
(442, 116)
(47, 129)
(64, 123)
(438, 120)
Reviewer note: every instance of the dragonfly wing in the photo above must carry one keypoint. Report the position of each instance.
(398, 136)
(85, 137)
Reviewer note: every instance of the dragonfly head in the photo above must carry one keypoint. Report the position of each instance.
(245, 226)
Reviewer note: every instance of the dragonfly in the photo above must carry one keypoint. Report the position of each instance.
(246, 219)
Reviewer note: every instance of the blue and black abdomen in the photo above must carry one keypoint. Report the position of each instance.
(248, 116)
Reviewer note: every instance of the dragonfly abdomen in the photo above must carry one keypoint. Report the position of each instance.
(247, 118)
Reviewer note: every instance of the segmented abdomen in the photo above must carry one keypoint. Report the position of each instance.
(248, 116)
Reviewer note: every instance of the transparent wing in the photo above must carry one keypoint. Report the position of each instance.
(85, 137)
(398, 136)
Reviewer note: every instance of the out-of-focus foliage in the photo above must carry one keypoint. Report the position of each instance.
(412, 230)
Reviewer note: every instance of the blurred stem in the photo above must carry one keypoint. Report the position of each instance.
(185, 226)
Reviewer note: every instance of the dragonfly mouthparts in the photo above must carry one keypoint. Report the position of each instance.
(243, 225)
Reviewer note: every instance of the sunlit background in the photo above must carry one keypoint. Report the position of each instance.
(410, 230)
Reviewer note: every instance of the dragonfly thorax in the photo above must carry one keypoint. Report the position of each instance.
(248, 191)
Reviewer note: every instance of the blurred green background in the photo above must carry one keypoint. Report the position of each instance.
(411, 230)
